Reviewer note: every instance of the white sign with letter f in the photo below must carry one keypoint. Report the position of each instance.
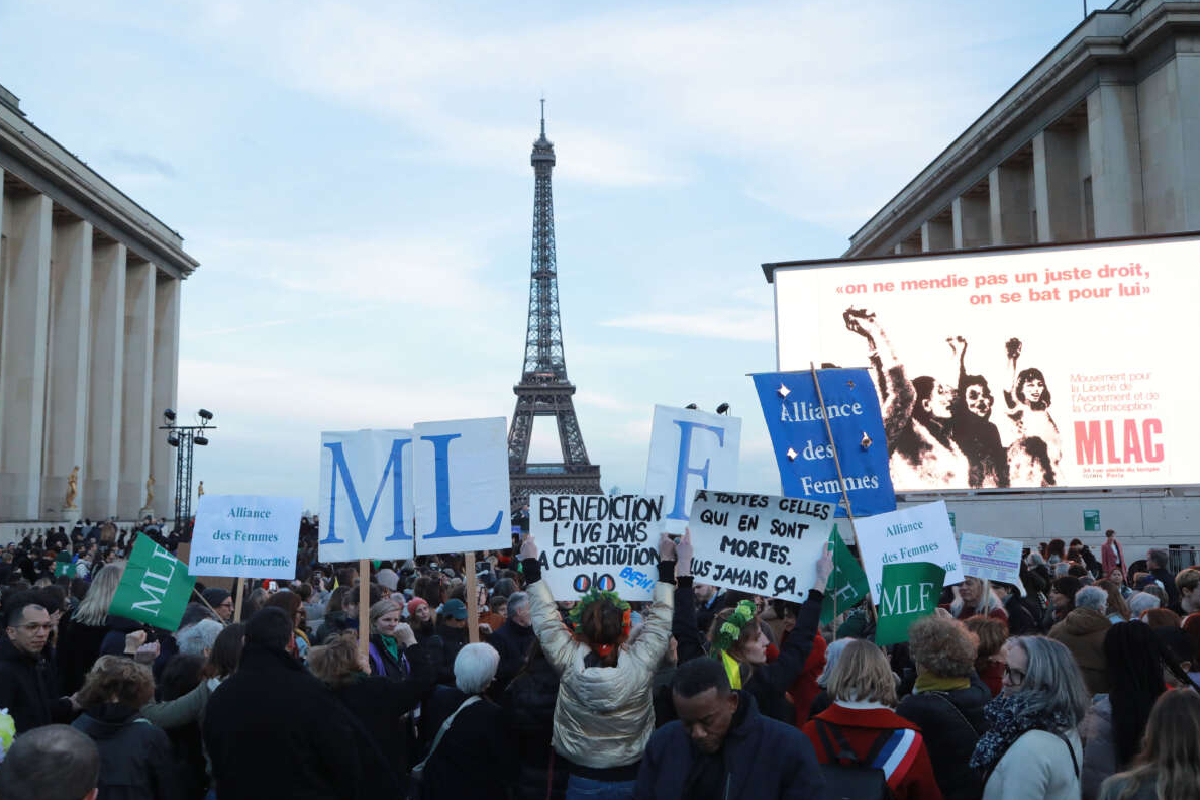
(690, 450)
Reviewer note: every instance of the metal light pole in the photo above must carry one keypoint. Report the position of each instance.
(182, 437)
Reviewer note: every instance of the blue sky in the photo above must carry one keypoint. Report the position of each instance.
(354, 179)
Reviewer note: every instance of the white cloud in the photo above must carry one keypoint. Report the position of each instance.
(716, 323)
(823, 94)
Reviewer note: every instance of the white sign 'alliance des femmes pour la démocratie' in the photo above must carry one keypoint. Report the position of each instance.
(245, 536)
(919, 533)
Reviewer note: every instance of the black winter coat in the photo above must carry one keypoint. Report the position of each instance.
(273, 730)
(512, 642)
(78, 649)
(763, 758)
(382, 704)
(392, 668)
(1021, 620)
(136, 758)
(951, 723)
(29, 688)
(528, 705)
(475, 758)
(770, 683)
(453, 640)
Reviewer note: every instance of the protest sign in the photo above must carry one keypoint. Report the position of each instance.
(910, 591)
(357, 466)
(991, 558)
(690, 450)
(441, 487)
(919, 533)
(759, 543)
(796, 418)
(610, 543)
(154, 588)
(847, 584)
(245, 536)
(1114, 409)
(460, 478)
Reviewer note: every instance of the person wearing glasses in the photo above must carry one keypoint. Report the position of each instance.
(28, 676)
(1033, 749)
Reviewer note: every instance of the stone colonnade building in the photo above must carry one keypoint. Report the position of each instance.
(1101, 138)
(89, 336)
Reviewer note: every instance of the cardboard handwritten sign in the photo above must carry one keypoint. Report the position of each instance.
(586, 541)
(759, 543)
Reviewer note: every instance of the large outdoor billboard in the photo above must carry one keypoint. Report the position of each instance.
(1067, 366)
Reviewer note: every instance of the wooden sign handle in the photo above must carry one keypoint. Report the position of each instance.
(472, 599)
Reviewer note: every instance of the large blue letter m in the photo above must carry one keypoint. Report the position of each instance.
(363, 521)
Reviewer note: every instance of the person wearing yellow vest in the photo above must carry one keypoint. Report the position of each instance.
(738, 640)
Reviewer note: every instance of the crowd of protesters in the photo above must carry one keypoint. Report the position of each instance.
(1080, 681)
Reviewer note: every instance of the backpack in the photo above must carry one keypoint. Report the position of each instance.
(857, 779)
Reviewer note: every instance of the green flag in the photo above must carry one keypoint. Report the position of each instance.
(910, 591)
(847, 583)
(64, 566)
(155, 587)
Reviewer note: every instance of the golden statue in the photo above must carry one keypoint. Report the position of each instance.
(72, 489)
(200, 490)
(149, 492)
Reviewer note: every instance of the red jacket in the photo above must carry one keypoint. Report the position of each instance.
(904, 759)
(804, 690)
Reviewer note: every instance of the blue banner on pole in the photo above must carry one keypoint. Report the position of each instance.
(802, 448)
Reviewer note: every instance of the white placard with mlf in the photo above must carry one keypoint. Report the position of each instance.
(759, 543)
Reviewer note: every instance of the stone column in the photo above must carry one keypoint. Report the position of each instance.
(969, 217)
(1009, 204)
(1188, 66)
(67, 381)
(137, 421)
(166, 390)
(1041, 191)
(23, 346)
(936, 234)
(1113, 138)
(103, 469)
(1057, 187)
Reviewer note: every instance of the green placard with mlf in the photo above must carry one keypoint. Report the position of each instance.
(1091, 520)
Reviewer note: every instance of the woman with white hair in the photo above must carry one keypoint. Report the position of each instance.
(974, 597)
(1033, 749)
(832, 653)
(470, 756)
(197, 640)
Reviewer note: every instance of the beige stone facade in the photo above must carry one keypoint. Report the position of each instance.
(89, 335)
(1100, 139)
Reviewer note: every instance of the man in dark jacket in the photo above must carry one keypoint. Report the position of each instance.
(273, 730)
(28, 675)
(512, 641)
(1156, 562)
(722, 747)
(452, 630)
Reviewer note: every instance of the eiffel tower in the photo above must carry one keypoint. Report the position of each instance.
(544, 390)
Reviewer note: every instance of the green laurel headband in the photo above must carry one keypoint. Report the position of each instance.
(731, 629)
(576, 613)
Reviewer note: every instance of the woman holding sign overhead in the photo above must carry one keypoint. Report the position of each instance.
(740, 644)
(605, 710)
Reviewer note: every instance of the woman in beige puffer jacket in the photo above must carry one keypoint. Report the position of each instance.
(605, 710)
